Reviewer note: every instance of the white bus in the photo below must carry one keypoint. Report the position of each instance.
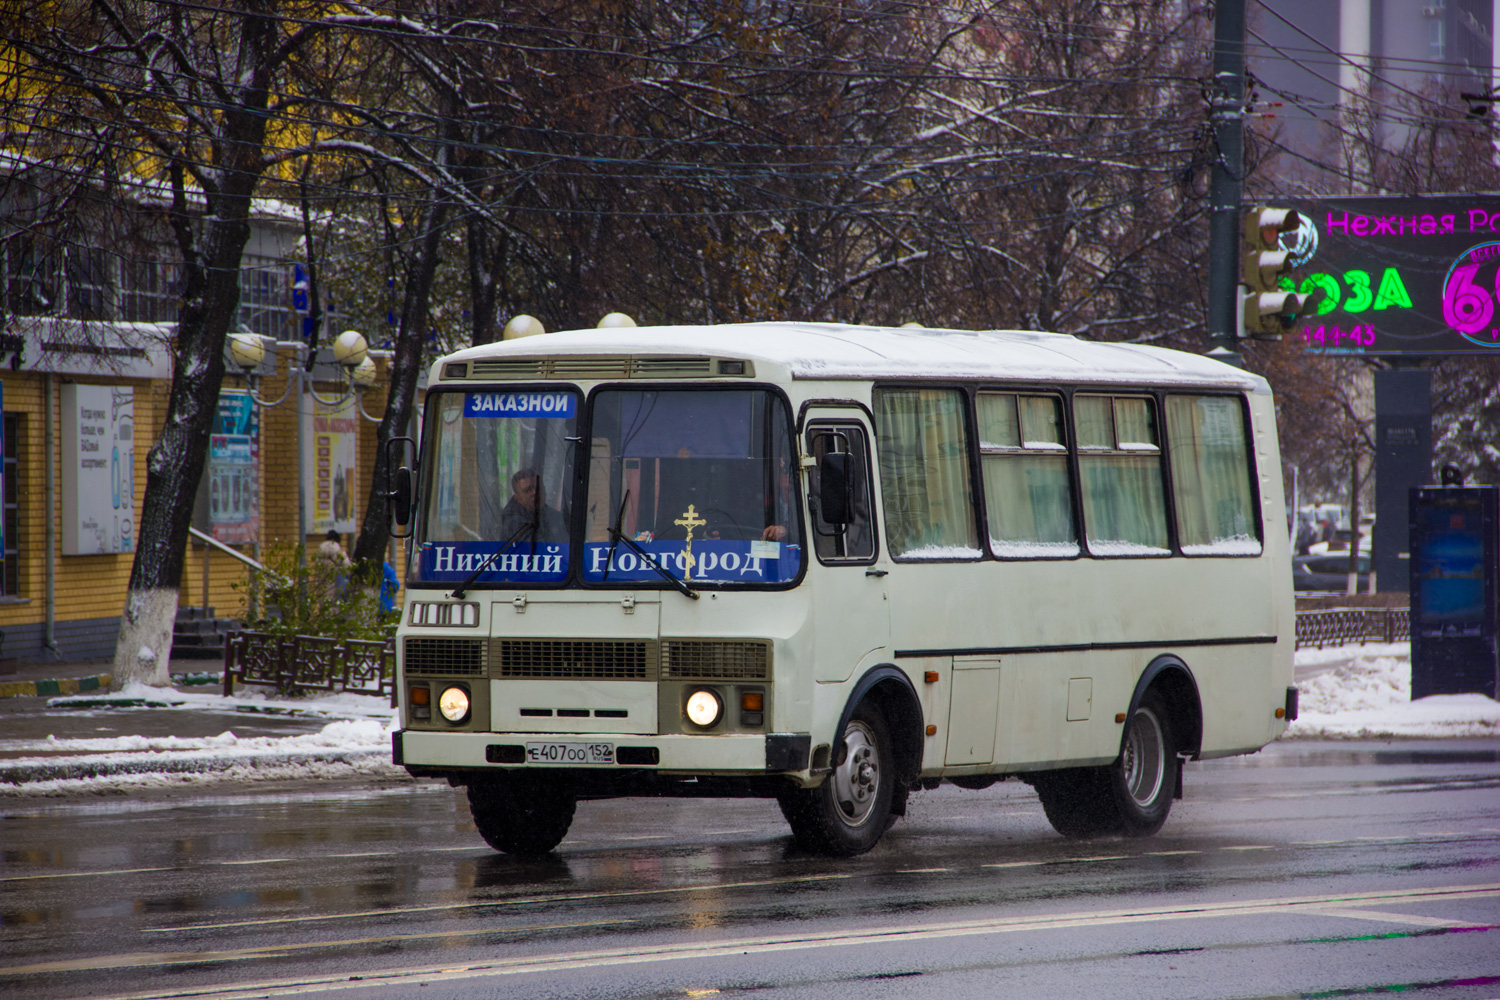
(832, 565)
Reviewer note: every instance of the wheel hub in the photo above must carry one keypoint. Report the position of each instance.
(856, 781)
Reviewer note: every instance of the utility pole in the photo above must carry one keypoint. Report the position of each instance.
(1227, 113)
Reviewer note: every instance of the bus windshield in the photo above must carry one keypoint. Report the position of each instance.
(699, 480)
(497, 494)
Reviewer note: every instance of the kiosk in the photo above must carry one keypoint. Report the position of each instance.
(1454, 553)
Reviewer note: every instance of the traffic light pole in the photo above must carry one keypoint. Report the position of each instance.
(1227, 114)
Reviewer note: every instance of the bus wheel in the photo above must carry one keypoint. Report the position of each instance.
(521, 815)
(1143, 780)
(1076, 800)
(847, 814)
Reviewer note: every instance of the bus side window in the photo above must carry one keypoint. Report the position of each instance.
(855, 540)
(1119, 465)
(1024, 465)
(924, 474)
(1212, 481)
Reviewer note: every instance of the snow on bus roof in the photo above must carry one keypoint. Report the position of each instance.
(836, 351)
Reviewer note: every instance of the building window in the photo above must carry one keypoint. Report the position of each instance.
(149, 291)
(265, 296)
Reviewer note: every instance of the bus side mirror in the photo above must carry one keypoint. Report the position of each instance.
(835, 487)
(400, 495)
(398, 450)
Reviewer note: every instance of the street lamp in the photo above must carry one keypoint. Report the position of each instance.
(615, 321)
(522, 326)
(350, 350)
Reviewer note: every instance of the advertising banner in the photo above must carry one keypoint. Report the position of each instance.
(330, 441)
(234, 470)
(1399, 276)
(98, 473)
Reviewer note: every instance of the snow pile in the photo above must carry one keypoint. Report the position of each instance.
(357, 743)
(1364, 692)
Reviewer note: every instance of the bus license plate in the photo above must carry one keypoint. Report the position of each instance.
(570, 753)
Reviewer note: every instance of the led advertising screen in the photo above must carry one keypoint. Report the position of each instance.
(1414, 276)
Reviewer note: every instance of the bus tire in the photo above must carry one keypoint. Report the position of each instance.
(1143, 780)
(521, 815)
(1076, 800)
(847, 814)
(1130, 797)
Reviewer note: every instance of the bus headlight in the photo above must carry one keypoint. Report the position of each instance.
(704, 708)
(454, 704)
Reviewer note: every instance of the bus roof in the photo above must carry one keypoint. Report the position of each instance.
(837, 351)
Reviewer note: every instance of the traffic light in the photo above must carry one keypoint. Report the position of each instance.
(1266, 310)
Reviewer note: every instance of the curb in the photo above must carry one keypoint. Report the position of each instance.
(27, 772)
(53, 688)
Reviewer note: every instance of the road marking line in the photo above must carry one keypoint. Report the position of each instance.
(1249, 847)
(137, 959)
(1168, 854)
(1014, 864)
(255, 861)
(918, 871)
(364, 854)
(443, 907)
(647, 953)
(117, 871)
(1390, 918)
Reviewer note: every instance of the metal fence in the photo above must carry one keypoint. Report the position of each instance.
(313, 663)
(310, 663)
(1343, 626)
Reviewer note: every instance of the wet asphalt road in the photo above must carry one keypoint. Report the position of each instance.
(1309, 870)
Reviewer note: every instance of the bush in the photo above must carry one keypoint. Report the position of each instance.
(320, 597)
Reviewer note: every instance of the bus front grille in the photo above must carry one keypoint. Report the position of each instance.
(575, 659)
(715, 659)
(427, 656)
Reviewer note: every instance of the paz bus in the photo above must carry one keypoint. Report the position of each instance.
(833, 565)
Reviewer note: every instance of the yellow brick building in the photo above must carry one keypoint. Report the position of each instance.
(65, 575)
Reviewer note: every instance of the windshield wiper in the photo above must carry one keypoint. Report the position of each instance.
(616, 535)
(458, 592)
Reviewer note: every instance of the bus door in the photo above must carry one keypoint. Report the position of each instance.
(850, 599)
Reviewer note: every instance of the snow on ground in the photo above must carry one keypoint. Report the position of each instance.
(356, 742)
(1348, 692)
(1364, 692)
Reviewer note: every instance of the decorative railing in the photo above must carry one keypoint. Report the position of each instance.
(1345, 626)
(310, 663)
(358, 666)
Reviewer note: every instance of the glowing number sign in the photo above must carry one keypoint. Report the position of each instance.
(1401, 276)
(1468, 306)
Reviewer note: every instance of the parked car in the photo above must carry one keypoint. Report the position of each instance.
(1328, 571)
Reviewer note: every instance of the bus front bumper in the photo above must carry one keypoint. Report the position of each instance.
(772, 753)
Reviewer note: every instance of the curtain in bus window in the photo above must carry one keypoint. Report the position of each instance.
(1124, 505)
(1027, 499)
(1211, 480)
(924, 472)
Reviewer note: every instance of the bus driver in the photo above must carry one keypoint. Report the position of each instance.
(527, 509)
